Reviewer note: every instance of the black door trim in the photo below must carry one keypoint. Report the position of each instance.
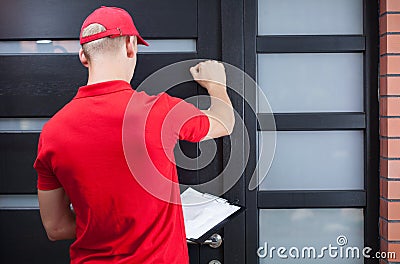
(297, 44)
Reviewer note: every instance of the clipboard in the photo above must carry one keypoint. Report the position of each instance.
(205, 214)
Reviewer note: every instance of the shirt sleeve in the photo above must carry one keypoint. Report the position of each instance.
(186, 121)
(46, 178)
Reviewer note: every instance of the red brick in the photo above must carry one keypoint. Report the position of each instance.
(389, 189)
(383, 106)
(383, 45)
(390, 210)
(382, 6)
(390, 44)
(393, 210)
(393, 231)
(389, 5)
(394, 169)
(390, 64)
(389, 23)
(383, 228)
(389, 85)
(390, 247)
(394, 191)
(389, 106)
(393, 106)
(390, 148)
(384, 166)
(389, 230)
(390, 169)
(389, 127)
(383, 209)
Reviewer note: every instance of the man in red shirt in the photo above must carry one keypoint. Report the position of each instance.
(82, 152)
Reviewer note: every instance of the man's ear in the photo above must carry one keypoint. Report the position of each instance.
(131, 47)
(83, 58)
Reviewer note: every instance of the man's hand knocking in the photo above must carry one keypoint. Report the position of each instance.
(209, 74)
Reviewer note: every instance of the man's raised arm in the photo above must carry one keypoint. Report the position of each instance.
(211, 75)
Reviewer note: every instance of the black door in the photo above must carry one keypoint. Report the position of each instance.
(40, 72)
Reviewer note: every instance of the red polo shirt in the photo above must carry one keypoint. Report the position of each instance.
(81, 149)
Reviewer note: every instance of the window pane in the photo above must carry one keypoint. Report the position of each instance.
(19, 202)
(310, 17)
(315, 160)
(22, 125)
(40, 46)
(73, 46)
(311, 228)
(311, 82)
(168, 45)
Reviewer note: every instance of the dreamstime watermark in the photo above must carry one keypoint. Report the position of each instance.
(338, 251)
(139, 159)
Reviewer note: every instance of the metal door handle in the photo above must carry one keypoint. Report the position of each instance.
(215, 241)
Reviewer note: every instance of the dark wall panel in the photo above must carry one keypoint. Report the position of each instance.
(38, 85)
(186, 175)
(40, 75)
(150, 63)
(23, 240)
(56, 19)
(214, 168)
(18, 152)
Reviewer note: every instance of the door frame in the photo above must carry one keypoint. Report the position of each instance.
(368, 199)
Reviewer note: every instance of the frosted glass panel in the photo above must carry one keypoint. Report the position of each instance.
(22, 125)
(315, 160)
(308, 229)
(312, 82)
(19, 202)
(40, 46)
(310, 17)
(168, 45)
(73, 46)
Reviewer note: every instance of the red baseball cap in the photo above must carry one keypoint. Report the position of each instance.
(117, 22)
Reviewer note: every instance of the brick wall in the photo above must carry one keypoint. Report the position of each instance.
(390, 127)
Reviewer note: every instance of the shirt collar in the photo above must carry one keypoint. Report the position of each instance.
(102, 88)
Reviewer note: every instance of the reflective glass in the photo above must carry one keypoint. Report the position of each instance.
(311, 82)
(315, 160)
(310, 17)
(311, 236)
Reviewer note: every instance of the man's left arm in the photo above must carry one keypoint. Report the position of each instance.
(57, 217)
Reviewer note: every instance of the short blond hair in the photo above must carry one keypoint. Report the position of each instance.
(100, 46)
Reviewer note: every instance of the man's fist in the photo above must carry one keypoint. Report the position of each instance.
(209, 74)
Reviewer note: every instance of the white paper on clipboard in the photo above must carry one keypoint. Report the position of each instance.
(203, 211)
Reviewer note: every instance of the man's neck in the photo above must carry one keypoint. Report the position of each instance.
(101, 73)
